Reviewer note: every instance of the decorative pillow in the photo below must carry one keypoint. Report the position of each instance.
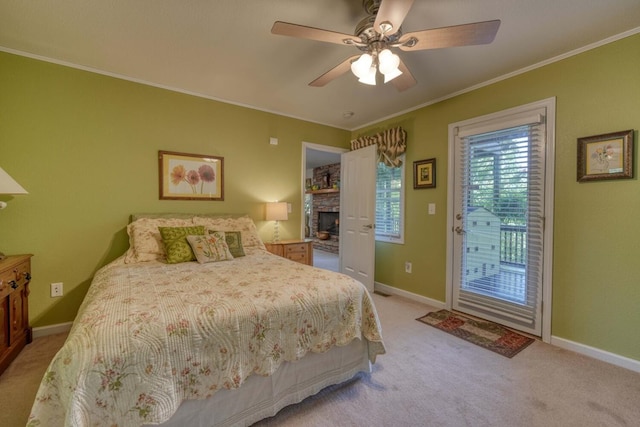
(211, 247)
(176, 244)
(244, 224)
(145, 242)
(234, 241)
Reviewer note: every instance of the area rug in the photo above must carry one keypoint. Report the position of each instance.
(486, 334)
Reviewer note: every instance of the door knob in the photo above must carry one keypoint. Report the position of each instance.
(369, 226)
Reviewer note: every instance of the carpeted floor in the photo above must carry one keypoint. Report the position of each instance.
(427, 378)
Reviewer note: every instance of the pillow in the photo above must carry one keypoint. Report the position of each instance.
(244, 224)
(176, 244)
(211, 247)
(145, 242)
(234, 241)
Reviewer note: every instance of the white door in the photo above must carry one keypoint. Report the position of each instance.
(498, 217)
(357, 214)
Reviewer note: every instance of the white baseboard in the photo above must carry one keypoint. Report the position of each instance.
(605, 356)
(409, 295)
(43, 331)
(596, 353)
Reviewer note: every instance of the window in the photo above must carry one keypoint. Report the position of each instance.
(390, 203)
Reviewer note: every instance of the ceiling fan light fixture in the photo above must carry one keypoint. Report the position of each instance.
(370, 77)
(361, 66)
(391, 75)
(388, 65)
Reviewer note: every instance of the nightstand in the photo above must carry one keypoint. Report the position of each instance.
(15, 332)
(296, 250)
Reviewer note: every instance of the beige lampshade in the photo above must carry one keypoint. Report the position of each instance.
(8, 185)
(276, 211)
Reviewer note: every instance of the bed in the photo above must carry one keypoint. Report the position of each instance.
(160, 339)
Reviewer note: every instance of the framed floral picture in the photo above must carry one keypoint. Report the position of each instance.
(424, 173)
(607, 156)
(190, 176)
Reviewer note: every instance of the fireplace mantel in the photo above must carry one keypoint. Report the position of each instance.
(324, 191)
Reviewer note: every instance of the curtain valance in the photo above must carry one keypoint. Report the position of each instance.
(391, 143)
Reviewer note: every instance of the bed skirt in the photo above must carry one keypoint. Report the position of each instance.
(262, 397)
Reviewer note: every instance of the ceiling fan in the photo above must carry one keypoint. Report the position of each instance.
(381, 31)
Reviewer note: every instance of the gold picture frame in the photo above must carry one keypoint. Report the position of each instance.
(606, 156)
(190, 176)
(424, 173)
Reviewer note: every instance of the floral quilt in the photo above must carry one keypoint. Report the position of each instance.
(150, 335)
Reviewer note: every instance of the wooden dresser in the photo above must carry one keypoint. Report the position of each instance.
(296, 250)
(15, 333)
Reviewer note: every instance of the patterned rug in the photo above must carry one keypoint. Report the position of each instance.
(486, 334)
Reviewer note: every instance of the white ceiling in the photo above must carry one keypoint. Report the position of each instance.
(223, 49)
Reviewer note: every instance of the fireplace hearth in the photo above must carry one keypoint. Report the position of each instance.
(329, 221)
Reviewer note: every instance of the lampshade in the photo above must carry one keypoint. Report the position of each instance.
(361, 66)
(388, 65)
(8, 185)
(276, 211)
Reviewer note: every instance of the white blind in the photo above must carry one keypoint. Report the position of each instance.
(389, 202)
(503, 219)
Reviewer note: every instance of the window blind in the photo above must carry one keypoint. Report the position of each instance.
(502, 179)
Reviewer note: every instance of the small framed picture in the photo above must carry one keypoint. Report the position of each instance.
(424, 173)
(607, 156)
(190, 176)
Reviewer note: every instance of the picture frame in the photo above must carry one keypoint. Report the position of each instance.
(186, 176)
(606, 156)
(424, 173)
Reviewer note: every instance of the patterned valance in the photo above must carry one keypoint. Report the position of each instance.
(391, 143)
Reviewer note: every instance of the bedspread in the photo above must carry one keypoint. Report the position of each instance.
(151, 335)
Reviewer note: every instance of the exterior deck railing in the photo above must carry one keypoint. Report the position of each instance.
(513, 244)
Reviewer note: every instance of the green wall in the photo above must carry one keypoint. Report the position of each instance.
(85, 146)
(596, 289)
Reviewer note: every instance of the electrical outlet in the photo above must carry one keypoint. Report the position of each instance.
(56, 290)
(407, 267)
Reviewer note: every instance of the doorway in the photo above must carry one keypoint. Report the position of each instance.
(501, 217)
(326, 252)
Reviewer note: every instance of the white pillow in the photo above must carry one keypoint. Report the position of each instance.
(244, 224)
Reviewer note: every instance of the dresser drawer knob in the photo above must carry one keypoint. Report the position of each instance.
(13, 284)
(27, 275)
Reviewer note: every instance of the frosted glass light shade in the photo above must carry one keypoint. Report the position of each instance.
(388, 64)
(360, 67)
(370, 77)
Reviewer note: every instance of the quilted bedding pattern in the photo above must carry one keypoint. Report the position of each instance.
(150, 335)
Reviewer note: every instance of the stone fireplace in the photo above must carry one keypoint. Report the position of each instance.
(325, 207)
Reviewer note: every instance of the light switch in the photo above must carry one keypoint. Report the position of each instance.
(432, 208)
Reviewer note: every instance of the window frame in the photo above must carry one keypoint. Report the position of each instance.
(387, 238)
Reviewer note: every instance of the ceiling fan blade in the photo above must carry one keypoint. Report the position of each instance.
(392, 12)
(301, 31)
(335, 72)
(457, 35)
(405, 80)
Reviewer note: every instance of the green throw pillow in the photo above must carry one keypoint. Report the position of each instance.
(210, 248)
(175, 242)
(234, 241)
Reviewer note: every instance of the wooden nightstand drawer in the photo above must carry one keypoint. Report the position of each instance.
(14, 276)
(295, 250)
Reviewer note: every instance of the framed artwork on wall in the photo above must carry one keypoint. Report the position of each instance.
(424, 173)
(190, 176)
(607, 156)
